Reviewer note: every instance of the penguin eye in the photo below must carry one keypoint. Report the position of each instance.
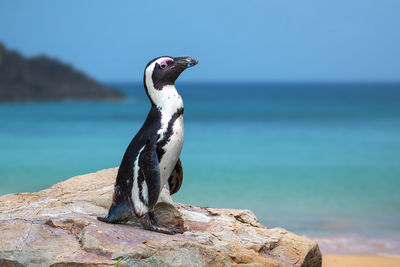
(165, 62)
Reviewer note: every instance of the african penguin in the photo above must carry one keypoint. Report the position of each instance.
(152, 158)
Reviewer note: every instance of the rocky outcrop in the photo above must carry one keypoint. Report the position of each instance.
(58, 227)
(43, 79)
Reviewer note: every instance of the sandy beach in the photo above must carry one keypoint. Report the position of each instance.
(335, 260)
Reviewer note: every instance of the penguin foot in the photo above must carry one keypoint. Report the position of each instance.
(155, 221)
(148, 222)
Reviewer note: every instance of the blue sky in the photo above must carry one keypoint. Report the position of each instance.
(280, 40)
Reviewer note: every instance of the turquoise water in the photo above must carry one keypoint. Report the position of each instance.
(318, 159)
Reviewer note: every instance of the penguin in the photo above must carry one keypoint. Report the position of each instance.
(152, 157)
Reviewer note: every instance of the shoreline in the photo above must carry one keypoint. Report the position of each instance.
(356, 244)
(359, 260)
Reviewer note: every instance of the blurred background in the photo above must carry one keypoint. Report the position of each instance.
(293, 111)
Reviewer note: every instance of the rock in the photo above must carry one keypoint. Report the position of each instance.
(58, 227)
(45, 79)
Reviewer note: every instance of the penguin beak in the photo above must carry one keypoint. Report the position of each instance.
(183, 63)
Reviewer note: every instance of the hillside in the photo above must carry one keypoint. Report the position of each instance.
(46, 79)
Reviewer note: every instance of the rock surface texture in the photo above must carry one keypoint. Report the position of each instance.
(58, 227)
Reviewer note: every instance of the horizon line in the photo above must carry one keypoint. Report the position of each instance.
(264, 82)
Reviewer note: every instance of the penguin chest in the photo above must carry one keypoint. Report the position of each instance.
(172, 149)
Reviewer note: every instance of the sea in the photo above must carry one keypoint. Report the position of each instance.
(319, 159)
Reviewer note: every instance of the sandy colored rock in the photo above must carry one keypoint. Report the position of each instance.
(58, 227)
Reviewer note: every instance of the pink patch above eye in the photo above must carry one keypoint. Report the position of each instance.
(165, 61)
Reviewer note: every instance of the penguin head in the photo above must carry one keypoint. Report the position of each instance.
(164, 71)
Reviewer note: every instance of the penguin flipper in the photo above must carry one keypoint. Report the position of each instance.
(176, 178)
(149, 174)
(122, 208)
(150, 171)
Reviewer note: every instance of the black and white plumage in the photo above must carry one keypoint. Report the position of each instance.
(152, 158)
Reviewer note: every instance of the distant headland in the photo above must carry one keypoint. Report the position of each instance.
(42, 78)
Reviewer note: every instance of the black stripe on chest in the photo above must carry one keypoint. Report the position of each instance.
(168, 133)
